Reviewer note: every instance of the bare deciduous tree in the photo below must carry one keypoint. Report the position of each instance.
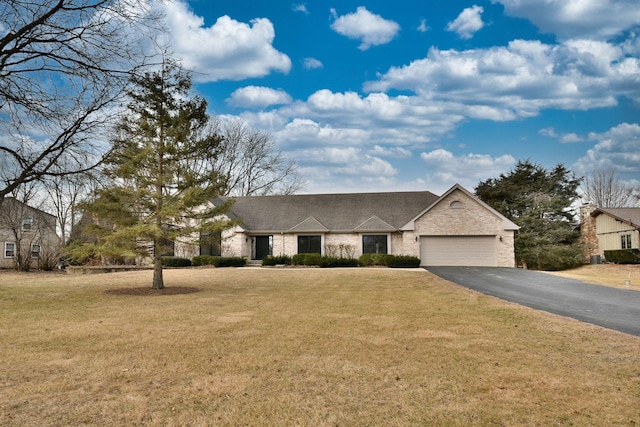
(62, 64)
(252, 164)
(604, 188)
(64, 194)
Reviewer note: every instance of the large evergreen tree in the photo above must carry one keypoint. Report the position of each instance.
(159, 182)
(539, 201)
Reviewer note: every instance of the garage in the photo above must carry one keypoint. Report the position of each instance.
(458, 251)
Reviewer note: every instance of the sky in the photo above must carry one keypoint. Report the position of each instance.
(408, 95)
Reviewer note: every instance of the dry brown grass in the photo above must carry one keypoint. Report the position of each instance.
(300, 347)
(613, 275)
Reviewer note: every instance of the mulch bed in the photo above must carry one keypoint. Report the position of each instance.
(148, 291)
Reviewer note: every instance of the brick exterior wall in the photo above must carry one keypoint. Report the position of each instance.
(470, 219)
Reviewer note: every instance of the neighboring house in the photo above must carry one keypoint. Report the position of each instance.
(456, 228)
(27, 235)
(614, 228)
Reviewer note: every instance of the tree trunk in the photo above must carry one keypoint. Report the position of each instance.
(158, 280)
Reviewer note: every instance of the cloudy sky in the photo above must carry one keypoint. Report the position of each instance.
(375, 95)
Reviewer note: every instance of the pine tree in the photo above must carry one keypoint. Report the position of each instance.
(539, 201)
(160, 179)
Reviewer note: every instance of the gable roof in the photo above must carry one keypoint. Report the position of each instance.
(346, 212)
(13, 203)
(507, 223)
(629, 216)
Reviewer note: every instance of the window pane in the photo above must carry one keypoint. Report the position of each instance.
(9, 250)
(309, 244)
(374, 244)
(210, 244)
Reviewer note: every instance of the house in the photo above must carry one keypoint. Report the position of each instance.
(610, 229)
(27, 236)
(456, 228)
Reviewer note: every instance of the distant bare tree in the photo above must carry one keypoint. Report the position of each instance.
(604, 188)
(65, 192)
(62, 64)
(252, 163)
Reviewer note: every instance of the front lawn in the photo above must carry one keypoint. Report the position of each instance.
(317, 347)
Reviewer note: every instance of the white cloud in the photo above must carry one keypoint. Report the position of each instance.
(446, 168)
(468, 22)
(619, 147)
(550, 132)
(258, 97)
(567, 138)
(227, 50)
(300, 8)
(570, 138)
(392, 152)
(369, 28)
(519, 80)
(311, 63)
(423, 27)
(590, 19)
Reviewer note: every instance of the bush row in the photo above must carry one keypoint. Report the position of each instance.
(272, 260)
(218, 261)
(623, 256)
(174, 261)
(366, 260)
(392, 261)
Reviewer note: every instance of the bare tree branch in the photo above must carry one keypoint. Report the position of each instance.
(62, 65)
(603, 188)
(251, 163)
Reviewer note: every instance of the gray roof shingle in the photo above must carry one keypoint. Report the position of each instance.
(334, 212)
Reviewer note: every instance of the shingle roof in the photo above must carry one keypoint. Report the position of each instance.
(332, 212)
(630, 216)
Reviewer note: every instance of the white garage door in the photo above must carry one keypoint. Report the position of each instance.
(458, 250)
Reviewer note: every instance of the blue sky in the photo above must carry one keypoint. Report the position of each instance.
(419, 95)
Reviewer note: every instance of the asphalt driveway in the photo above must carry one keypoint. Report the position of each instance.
(612, 308)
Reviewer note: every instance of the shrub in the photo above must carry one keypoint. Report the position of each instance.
(367, 260)
(174, 261)
(306, 259)
(312, 259)
(331, 262)
(298, 259)
(202, 260)
(402, 261)
(552, 257)
(230, 262)
(276, 260)
(218, 261)
(623, 256)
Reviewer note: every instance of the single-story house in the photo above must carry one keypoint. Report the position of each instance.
(27, 235)
(614, 228)
(456, 228)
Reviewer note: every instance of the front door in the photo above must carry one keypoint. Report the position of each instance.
(262, 247)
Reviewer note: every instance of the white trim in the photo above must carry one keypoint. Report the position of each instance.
(5, 249)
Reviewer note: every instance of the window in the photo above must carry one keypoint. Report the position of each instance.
(166, 247)
(309, 244)
(456, 204)
(626, 241)
(374, 244)
(210, 244)
(27, 223)
(35, 251)
(9, 250)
